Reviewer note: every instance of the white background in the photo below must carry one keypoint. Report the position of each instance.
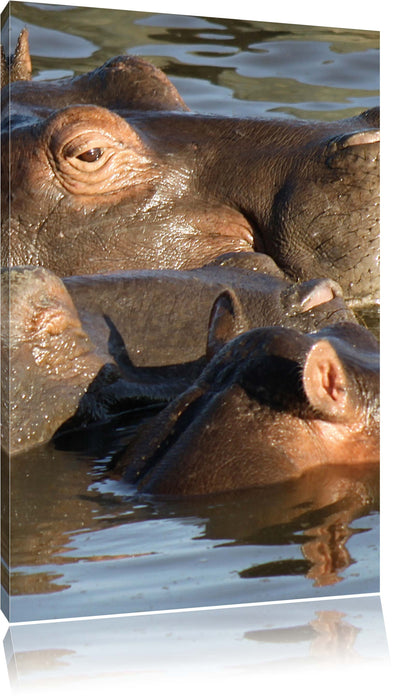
(387, 17)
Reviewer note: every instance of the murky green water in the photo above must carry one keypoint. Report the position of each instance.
(82, 544)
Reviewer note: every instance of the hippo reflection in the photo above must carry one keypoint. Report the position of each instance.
(272, 404)
(56, 492)
(110, 170)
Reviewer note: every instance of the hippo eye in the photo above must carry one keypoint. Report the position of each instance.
(91, 155)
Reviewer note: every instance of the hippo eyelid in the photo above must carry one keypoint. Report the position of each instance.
(71, 150)
(89, 145)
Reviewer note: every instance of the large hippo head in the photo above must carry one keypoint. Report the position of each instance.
(110, 170)
(272, 404)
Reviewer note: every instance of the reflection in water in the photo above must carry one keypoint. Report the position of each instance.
(50, 505)
(315, 511)
(331, 637)
(229, 642)
(75, 529)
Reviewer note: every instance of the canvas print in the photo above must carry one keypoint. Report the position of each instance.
(234, 645)
(190, 311)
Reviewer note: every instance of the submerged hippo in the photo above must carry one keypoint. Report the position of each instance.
(160, 318)
(110, 170)
(86, 349)
(51, 371)
(272, 404)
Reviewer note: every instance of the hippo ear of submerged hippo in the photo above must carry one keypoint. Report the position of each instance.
(227, 320)
(325, 383)
(18, 65)
(304, 296)
(227, 317)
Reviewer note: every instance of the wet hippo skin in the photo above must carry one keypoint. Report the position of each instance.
(87, 349)
(51, 370)
(110, 170)
(160, 318)
(272, 404)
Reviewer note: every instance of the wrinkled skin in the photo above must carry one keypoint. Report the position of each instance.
(272, 404)
(110, 170)
(97, 345)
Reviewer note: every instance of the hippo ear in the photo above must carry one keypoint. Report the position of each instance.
(358, 138)
(226, 321)
(304, 296)
(364, 143)
(325, 382)
(18, 66)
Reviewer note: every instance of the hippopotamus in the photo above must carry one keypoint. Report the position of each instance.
(83, 349)
(51, 371)
(110, 170)
(148, 318)
(272, 404)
